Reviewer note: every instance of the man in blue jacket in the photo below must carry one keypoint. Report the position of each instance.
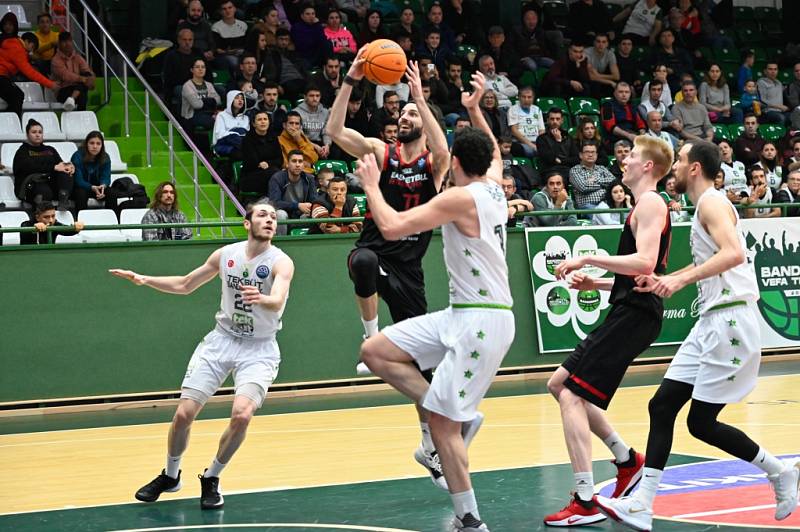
(292, 190)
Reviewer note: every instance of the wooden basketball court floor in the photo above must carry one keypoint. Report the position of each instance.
(342, 462)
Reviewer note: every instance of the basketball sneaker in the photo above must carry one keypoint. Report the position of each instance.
(785, 486)
(628, 474)
(362, 370)
(469, 523)
(430, 461)
(163, 482)
(470, 428)
(210, 497)
(576, 513)
(629, 511)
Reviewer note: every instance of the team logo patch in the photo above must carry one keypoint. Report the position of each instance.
(245, 273)
(262, 271)
(230, 263)
(421, 163)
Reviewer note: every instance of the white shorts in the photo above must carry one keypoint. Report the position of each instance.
(220, 354)
(721, 355)
(466, 346)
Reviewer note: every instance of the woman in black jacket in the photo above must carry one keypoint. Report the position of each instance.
(262, 156)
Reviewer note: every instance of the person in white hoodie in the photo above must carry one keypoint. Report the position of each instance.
(230, 126)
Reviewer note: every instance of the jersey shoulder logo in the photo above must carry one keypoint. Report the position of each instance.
(262, 271)
(230, 263)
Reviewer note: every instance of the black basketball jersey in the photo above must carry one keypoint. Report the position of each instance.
(622, 291)
(404, 184)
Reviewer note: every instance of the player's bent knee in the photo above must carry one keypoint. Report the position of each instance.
(555, 386)
(701, 427)
(241, 419)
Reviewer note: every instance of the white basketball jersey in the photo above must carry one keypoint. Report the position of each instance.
(477, 266)
(235, 316)
(736, 284)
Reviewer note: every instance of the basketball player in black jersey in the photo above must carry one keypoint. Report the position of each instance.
(587, 380)
(412, 173)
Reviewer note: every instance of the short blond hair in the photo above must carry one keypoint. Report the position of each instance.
(657, 150)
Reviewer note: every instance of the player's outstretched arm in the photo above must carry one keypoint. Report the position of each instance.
(437, 142)
(348, 139)
(282, 272)
(471, 103)
(443, 208)
(176, 284)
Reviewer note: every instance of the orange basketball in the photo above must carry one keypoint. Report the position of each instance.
(385, 62)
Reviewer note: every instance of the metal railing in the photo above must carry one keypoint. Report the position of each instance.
(81, 31)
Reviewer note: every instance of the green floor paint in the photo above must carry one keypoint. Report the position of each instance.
(512, 500)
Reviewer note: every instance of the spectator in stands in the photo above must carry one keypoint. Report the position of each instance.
(643, 22)
(354, 9)
(292, 190)
(750, 143)
(293, 139)
(500, 49)
(72, 73)
(530, 42)
(371, 28)
(328, 80)
(256, 45)
(14, 60)
(622, 148)
(179, 64)
(553, 197)
(201, 29)
(342, 42)
(760, 194)
(588, 18)
(750, 101)
(793, 99)
(309, 38)
(462, 122)
(654, 103)
(229, 37)
(454, 83)
(790, 194)
(464, 17)
(660, 73)
(692, 115)
(628, 65)
(735, 182)
(408, 47)
(336, 203)
(315, 116)
(794, 158)
(620, 120)
(262, 156)
(516, 203)
(501, 85)
(688, 24)
(618, 196)
(436, 23)
(569, 76)
(431, 75)
(435, 109)
(39, 173)
(389, 132)
(389, 111)
(199, 98)
(745, 73)
(44, 217)
(771, 162)
(408, 27)
(291, 67)
(716, 97)
(589, 180)
(268, 25)
(400, 88)
(433, 47)
(164, 210)
(269, 104)
(495, 117)
(357, 119)
(48, 42)
(525, 176)
(770, 91)
(676, 201)
(526, 122)
(230, 127)
(587, 130)
(247, 72)
(677, 60)
(92, 173)
(603, 71)
(655, 125)
(557, 151)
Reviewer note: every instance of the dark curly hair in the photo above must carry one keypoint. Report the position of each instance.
(474, 150)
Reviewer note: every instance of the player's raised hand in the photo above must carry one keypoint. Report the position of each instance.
(357, 68)
(133, 277)
(367, 170)
(414, 81)
(473, 100)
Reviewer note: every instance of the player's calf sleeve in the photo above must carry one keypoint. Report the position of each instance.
(703, 425)
(664, 407)
(363, 269)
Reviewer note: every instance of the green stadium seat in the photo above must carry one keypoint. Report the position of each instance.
(221, 77)
(338, 167)
(765, 14)
(743, 13)
(772, 132)
(751, 36)
(584, 106)
(547, 103)
(527, 79)
(298, 231)
(721, 132)
(727, 55)
(521, 161)
(361, 201)
(735, 130)
(785, 76)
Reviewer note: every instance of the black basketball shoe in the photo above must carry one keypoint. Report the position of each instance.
(210, 497)
(150, 492)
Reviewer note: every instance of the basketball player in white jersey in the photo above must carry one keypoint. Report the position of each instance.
(467, 341)
(718, 362)
(255, 279)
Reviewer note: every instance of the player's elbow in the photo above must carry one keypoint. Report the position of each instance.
(646, 266)
(736, 257)
(391, 231)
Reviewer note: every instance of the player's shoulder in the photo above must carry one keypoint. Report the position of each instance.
(650, 204)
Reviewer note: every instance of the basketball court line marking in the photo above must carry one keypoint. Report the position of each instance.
(717, 524)
(725, 511)
(268, 525)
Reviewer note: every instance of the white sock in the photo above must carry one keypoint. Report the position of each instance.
(214, 469)
(173, 466)
(370, 326)
(584, 486)
(618, 447)
(648, 486)
(464, 503)
(768, 463)
(427, 441)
